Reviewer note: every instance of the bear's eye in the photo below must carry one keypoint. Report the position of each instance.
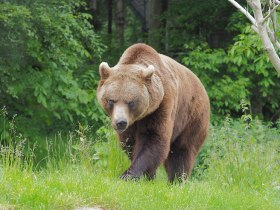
(131, 104)
(111, 102)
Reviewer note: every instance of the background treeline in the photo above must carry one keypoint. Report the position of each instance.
(50, 51)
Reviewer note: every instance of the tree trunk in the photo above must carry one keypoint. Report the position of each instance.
(120, 20)
(110, 16)
(92, 5)
(155, 26)
(259, 24)
(95, 21)
(165, 26)
(256, 103)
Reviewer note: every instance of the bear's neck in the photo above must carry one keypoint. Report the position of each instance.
(156, 93)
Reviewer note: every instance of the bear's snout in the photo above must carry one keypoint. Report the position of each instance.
(120, 117)
(121, 124)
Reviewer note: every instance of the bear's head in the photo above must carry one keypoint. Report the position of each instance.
(128, 93)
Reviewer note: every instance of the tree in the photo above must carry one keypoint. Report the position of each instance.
(155, 9)
(264, 26)
(110, 15)
(120, 20)
(46, 56)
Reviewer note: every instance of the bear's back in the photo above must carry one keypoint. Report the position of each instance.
(141, 54)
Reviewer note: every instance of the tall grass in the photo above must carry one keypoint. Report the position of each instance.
(244, 157)
(238, 168)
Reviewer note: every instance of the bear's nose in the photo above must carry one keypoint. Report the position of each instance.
(121, 124)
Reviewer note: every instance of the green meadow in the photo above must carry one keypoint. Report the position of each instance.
(238, 168)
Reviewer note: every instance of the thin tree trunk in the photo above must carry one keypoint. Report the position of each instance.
(165, 25)
(110, 15)
(92, 5)
(263, 33)
(262, 28)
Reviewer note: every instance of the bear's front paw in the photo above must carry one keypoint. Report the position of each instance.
(127, 175)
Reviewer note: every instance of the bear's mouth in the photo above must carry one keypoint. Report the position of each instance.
(120, 130)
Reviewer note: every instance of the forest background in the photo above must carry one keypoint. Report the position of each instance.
(50, 51)
(57, 148)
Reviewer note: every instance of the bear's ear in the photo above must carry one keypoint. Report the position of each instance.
(148, 72)
(104, 70)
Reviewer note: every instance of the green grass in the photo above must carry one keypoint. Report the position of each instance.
(76, 187)
(238, 168)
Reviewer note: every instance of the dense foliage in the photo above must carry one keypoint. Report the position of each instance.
(50, 51)
(47, 53)
(241, 71)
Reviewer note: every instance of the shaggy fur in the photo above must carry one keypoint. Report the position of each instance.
(165, 106)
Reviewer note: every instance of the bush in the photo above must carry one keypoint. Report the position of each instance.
(242, 71)
(47, 62)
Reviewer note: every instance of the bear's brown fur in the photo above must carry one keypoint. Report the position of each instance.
(159, 109)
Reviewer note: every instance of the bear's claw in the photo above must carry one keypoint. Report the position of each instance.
(128, 176)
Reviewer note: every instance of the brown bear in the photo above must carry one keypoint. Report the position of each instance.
(159, 109)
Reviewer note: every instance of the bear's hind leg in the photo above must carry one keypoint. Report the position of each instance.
(150, 174)
(179, 163)
(183, 153)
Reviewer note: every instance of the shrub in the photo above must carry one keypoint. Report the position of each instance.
(47, 62)
(241, 71)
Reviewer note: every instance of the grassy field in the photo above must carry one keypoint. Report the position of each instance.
(238, 168)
